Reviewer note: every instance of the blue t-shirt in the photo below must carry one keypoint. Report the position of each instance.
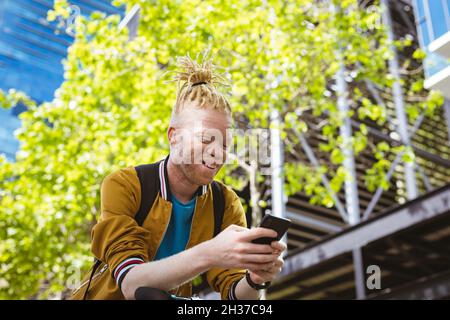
(178, 230)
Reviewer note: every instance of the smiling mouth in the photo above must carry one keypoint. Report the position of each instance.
(209, 166)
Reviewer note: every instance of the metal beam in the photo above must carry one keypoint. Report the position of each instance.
(277, 164)
(351, 187)
(359, 274)
(351, 181)
(418, 210)
(428, 288)
(397, 159)
(410, 178)
(131, 21)
(373, 91)
(312, 158)
(313, 222)
(424, 177)
(376, 197)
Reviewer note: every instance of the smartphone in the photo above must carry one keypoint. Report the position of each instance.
(280, 225)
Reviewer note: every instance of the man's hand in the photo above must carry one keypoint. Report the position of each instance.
(261, 276)
(232, 248)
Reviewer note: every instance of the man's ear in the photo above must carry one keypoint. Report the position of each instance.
(171, 135)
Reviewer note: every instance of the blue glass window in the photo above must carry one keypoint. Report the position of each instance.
(438, 20)
(424, 32)
(30, 55)
(422, 22)
(420, 9)
(447, 14)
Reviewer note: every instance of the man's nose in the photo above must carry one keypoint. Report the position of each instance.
(215, 151)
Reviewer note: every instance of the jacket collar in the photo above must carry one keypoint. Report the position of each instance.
(164, 182)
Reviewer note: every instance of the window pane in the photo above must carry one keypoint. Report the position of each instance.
(434, 63)
(448, 14)
(420, 9)
(424, 32)
(437, 18)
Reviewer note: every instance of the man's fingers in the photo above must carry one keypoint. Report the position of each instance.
(237, 228)
(279, 263)
(259, 232)
(268, 268)
(257, 266)
(259, 258)
(264, 274)
(253, 248)
(279, 246)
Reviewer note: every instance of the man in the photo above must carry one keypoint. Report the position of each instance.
(175, 243)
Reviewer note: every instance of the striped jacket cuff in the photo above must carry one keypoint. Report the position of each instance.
(232, 291)
(123, 268)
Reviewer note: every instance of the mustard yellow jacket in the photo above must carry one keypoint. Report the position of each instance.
(120, 243)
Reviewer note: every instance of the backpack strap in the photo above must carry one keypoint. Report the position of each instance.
(219, 206)
(97, 263)
(149, 180)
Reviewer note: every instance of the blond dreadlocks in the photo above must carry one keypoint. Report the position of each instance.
(198, 83)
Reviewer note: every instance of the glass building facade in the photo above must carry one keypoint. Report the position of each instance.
(31, 54)
(433, 24)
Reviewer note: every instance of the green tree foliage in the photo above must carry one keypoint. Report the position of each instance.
(113, 108)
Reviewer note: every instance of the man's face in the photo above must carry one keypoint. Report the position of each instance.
(198, 143)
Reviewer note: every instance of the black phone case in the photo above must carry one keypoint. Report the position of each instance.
(280, 225)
